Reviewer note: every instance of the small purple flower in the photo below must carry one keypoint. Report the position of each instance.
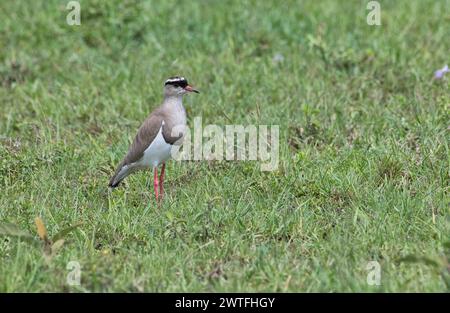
(439, 74)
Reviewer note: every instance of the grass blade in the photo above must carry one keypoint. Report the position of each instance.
(61, 234)
(9, 229)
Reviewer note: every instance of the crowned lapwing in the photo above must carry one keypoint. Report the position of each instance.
(155, 139)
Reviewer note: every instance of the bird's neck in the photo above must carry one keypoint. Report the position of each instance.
(173, 101)
(174, 107)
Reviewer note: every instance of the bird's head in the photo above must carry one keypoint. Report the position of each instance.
(177, 86)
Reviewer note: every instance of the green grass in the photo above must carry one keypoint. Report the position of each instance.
(364, 154)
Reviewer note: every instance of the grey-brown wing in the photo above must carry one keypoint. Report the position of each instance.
(146, 134)
(172, 133)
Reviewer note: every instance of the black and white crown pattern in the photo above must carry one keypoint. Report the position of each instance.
(177, 81)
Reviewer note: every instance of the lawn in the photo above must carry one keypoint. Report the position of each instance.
(363, 156)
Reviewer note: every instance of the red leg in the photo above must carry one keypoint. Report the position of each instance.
(161, 180)
(155, 183)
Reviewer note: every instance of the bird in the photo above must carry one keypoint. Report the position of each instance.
(160, 132)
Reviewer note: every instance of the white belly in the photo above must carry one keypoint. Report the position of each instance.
(158, 152)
